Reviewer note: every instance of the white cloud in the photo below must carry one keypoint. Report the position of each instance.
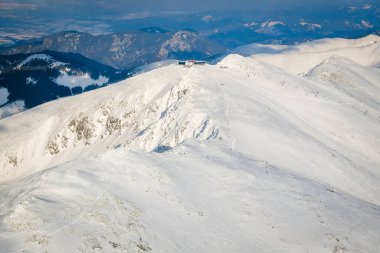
(14, 6)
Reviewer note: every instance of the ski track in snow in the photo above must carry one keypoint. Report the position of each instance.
(242, 156)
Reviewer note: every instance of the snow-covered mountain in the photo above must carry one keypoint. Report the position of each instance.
(28, 80)
(125, 50)
(242, 156)
(365, 51)
(230, 28)
(295, 25)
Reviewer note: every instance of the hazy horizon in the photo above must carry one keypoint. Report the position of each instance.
(91, 9)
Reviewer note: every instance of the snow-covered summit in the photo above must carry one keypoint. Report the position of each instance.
(154, 111)
(242, 156)
(309, 26)
(272, 23)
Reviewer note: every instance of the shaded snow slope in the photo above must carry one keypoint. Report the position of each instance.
(12, 108)
(247, 157)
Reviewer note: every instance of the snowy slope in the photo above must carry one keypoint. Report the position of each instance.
(300, 59)
(154, 110)
(247, 157)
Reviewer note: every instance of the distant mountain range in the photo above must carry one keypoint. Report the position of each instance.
(28, 80)
(38, 70)
(212, 33)
(125, 50)
(230, 28)
(296, 25)
(68, 63)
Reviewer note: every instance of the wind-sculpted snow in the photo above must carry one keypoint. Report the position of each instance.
(150, 112)
(242, 156)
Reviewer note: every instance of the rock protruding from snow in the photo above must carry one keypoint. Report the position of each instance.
(154, 111)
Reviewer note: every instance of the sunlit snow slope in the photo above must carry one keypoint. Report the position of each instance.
(300, 59)
(242, 156)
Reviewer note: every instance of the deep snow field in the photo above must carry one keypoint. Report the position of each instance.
(274, 152)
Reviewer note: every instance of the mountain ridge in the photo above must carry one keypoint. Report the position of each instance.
(125, 50)
(243, 151)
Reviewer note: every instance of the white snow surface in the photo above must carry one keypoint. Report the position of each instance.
(256, 48)
(364, 51)
(31, 81)
(153, 66)
(208, 18)
(43, 57)
(250, 158)
(310, 26)
(12, 108)
(272, 23)
(366, 24)
(301, 58)
(80, 80)
(367, 6)
(4, 93)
